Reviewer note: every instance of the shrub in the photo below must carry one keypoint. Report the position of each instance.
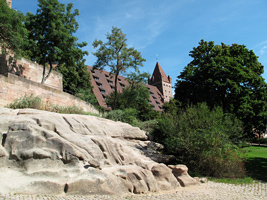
(128, 115)
(27, 102)
(203, 139)
(66, 110)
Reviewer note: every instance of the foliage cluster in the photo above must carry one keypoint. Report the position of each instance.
(226, 76)
(36, 102)
(51, 40)
(128, 115)
(117, 56)
(47, 37)
(135, 97)
(13, 32)
(203, 139)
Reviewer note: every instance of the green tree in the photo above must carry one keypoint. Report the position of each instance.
(13, 32)
(135, 96)
(226, 76)
(51, 39)
(116, 55)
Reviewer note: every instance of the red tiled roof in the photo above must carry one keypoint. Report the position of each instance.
(103, 83)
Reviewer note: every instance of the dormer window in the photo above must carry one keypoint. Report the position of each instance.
(96, 78)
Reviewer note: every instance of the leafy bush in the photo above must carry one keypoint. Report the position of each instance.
(27, 102)
(147, 126)
(128, 115)
(203, 139)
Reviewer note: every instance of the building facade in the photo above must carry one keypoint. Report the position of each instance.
(104, 84)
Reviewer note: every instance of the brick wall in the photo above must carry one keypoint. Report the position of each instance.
(13, 86)
(29, 70)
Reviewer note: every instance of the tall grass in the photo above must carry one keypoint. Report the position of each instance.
(35, 102)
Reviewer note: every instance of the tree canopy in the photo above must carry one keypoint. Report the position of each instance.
(226, 76)
(51, 39)
(117, 56)
(13, 32)
(135, 96)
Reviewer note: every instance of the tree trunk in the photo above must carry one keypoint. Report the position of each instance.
(49, 72)
(116, 92)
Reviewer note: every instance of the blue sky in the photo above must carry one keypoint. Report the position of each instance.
(170, 29)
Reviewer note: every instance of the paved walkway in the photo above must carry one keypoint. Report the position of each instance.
(207, 191)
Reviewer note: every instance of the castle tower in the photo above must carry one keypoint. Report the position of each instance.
(9, 3)
(162, 82)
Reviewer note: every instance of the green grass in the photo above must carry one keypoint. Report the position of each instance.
(246, 180)
(256, 164)
(256, 167)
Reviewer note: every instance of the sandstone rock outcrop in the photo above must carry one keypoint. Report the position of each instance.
(50, 153)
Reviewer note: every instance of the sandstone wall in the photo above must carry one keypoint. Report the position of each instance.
(29, 70)
(13, 86)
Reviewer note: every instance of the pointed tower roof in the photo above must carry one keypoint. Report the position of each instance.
(159, 74)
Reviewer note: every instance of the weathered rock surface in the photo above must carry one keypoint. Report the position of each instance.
(50, 153)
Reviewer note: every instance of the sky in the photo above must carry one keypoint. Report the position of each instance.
(167, 30)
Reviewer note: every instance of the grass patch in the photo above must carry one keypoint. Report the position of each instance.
(256, 165)
(237, 181)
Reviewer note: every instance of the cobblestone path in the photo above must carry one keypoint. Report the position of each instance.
(210, 190)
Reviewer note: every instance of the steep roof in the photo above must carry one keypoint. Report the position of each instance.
(104, 85)
(158, 74)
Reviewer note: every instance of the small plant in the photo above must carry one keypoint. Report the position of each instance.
(27, 102)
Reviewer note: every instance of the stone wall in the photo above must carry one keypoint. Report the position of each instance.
(13, 86)
(29, 70)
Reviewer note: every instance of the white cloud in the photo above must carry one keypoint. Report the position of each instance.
(263, 50)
